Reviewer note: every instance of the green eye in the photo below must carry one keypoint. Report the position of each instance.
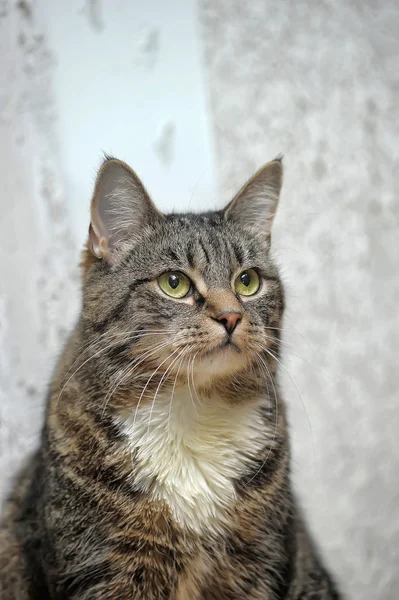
(175, 284)
(247, 283)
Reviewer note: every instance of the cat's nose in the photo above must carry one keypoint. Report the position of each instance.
(230, 320)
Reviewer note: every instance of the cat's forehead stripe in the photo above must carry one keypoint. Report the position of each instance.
(207, 249)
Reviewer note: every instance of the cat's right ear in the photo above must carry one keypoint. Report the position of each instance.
(120, 209)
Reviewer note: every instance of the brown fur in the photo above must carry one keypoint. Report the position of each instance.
(77, 525)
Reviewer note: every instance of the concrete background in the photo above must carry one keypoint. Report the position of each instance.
(317, 81)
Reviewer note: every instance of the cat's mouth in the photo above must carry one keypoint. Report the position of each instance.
(225, 345)
(220, 360)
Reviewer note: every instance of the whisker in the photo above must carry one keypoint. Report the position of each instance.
(185, 351)
(113, 334)
(161, 381)
(275, 425)
(127, 371)
(196, 185)
(292, 330)
(81, 367)
(189, 386)
(192, 379)
(118, 335)
(281, 341)
(299, 395)
(137, 361)
(147, 382)
(307, 362)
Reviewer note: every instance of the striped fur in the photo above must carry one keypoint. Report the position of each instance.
(164, 468)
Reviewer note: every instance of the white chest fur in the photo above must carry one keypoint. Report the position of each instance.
(188, 453)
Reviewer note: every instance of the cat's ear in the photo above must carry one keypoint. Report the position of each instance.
(120, 209)
(255, 204)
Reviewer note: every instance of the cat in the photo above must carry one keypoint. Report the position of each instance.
(164, 466)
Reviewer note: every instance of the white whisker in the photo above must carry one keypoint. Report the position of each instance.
(162, 380)
(189, 386)
(146, 385)
(192, 379)
(270, 376)
(174, 385)
(119, 336)
(298, 392)
(131, 368)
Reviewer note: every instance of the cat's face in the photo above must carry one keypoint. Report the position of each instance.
(190, 295)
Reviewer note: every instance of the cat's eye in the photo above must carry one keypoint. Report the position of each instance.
(175, 284)
(247, 283)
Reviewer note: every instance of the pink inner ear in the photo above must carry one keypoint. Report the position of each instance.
(104, 188)
(102, 218)
(98, 244)
(255, 204)
(120, 208)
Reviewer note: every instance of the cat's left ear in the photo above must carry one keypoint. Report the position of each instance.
(120, 209)
(255, 205)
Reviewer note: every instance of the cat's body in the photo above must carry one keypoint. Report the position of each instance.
(163, 471)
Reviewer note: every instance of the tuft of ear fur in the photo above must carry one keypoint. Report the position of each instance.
(255, 205)
(120, 209)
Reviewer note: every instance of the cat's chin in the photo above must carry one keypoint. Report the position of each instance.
(221, 362)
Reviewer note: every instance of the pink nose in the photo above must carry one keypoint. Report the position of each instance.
(230, 320)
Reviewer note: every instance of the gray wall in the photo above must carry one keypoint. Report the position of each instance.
(319, 81)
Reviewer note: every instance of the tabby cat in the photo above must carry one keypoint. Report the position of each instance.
(163, 470)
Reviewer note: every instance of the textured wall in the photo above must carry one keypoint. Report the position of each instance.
(319, 81)
(37, 277)
(130, 84)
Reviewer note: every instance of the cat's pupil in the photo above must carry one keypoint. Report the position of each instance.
(173, 281)
(245, 279)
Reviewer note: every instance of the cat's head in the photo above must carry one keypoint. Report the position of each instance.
(182, 293)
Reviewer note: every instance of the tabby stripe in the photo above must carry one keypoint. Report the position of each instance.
(204, 250)
(238, 254)
(190, 256)
(99, 326)
(86, 578)
(289, 569)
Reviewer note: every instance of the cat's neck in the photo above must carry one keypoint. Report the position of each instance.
(189, 450)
